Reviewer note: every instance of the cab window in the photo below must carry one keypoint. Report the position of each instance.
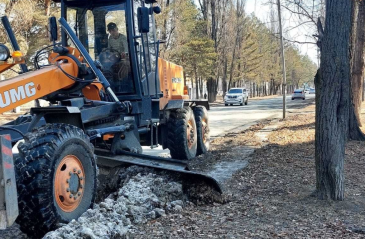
(103, 32)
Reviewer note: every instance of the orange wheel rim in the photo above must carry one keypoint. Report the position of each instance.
(69, 183)
(190, 133)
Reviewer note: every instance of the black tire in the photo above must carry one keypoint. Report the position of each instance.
(36, 167)
(177, 127)
(246, 102)
(225, 104)
(303, 98)
(230, 104)
(241, 104)
(292, 98)
(202, 128)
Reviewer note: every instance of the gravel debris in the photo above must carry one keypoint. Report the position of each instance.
(140, 199)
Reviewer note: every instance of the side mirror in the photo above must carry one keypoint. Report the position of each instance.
(52, 29)
(156, 10)
(143, 20)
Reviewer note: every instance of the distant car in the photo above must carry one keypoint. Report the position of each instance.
(236, 96)
(298, 94)
(312, 91)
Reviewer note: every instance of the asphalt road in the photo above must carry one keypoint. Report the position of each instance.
(226, 119)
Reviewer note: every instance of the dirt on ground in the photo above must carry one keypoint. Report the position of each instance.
(224, 149)
(273, 196)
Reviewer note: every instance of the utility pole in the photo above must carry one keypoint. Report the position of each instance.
(282, 59)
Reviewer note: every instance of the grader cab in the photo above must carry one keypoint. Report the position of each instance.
(110, 95)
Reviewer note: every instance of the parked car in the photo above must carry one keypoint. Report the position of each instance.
(236, 96)
(298, 94)
(312, 91)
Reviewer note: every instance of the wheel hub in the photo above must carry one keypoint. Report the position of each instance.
(74, 183)
(69, 183)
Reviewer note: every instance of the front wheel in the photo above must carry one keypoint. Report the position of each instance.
(56, 177)
(246, 102)
(182, 134)
(202, 126)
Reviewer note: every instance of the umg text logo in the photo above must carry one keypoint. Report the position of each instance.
(14, 95)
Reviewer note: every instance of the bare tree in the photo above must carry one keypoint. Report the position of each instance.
(357, 70)
(333, 99)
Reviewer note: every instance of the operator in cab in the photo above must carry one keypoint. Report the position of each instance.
(117, 41)
(115, 61)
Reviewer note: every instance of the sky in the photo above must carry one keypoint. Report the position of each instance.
(290, 22)
(291, 31)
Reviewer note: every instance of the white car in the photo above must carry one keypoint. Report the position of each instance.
(236, 96)
(298, 94)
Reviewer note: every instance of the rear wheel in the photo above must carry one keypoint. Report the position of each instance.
(202, 126)
(56, 177)
(182, 134)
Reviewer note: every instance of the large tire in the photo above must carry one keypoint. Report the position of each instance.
(181, 125)
(55, 161)
(202, 126)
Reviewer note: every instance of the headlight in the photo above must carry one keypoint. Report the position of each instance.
(4, 52)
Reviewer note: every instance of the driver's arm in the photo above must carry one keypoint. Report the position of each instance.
(124, 43)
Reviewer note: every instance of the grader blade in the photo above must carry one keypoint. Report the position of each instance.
(127, 158)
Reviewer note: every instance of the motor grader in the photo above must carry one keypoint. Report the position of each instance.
(104, 106)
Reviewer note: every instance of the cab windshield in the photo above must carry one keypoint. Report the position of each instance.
(103, 32)
(235, 91)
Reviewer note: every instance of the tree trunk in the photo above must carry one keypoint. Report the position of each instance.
(357, 72)
(184, 74)
(363, 90)
(47, 6)
(164, 31)
(251, 89)
(214, 26)
(201, 86)
(224, 80)
(212, 90)
(196, 84)
(332, 102)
